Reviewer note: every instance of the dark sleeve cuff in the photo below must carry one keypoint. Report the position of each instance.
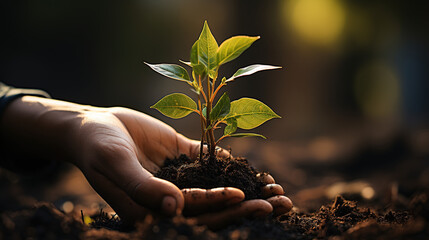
(8, 94)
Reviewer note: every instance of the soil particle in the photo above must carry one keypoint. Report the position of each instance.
(341, 207)
(112, 221)
(212, 173)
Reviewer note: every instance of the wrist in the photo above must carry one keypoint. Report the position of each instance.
(34, 127)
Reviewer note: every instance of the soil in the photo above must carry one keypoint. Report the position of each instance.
(366, 192)
(342, 219)
(212, 173)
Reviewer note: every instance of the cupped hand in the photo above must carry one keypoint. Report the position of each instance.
(220, 207)
(118, 149)
(133, 145)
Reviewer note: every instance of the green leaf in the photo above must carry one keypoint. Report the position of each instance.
(194, 54)
(194, 84)
(233, 47)
(231, 126)
(207, 49)
(204, 111)
(221, 109)
(171, 70)
(251, 70)
(186, 63)
(200, 70)
(176, 105)
(197, 67)
(250, 113)
(247, 135)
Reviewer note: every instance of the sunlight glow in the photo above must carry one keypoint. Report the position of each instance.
(319, 22)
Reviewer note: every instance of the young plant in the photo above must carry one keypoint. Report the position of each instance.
(205, 61)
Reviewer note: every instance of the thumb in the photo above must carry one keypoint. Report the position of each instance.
(158, 194)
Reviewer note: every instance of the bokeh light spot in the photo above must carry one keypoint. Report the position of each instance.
(377, 90)
(320, 22)
(368, 192)
(68, 207)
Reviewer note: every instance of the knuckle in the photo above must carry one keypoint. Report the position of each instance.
(131, 188)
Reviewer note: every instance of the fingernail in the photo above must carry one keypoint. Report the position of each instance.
(169, 205)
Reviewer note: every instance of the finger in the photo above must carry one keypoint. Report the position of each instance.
(250, 208)
(186, 146)
(154, 138)
(124, 206)
(270, 190)
(281, 204)
(159, 194)
(220, 152)
(120, 165)
(199, 200)
(266, 178)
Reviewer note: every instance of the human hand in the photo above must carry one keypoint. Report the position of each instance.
(157, 141)
(220, 207)
(227, 202)
(115, 148)
(118, 149)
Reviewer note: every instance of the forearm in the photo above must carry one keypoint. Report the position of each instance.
(39, 128)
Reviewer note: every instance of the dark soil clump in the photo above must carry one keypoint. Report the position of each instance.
(212, 173)
(113, 222)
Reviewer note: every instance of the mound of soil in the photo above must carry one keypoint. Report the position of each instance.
(212, 173)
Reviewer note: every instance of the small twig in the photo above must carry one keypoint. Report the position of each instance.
(83, 218)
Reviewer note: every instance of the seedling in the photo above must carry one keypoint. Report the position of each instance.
(205, 61)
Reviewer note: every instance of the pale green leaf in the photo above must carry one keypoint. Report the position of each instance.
(171, 70)
(186, 63)
(176, 105)
(221, 109)
(233, 47)
(250, 113)
(194, 54)
(197, 67)
(251, 70)
(231, 126)
(194, 90)
(207, 48)
(204, 111)
(247, 135)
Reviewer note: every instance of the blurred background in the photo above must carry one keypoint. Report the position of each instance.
(352, 93)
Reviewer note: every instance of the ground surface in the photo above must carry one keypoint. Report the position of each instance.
(341, 190)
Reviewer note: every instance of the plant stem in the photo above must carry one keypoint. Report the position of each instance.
(211, 139)
(202, 128)
(204, 135)
(224, 136)
(213, 86)
(217, 90)
(202, 91)
(217, 123)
